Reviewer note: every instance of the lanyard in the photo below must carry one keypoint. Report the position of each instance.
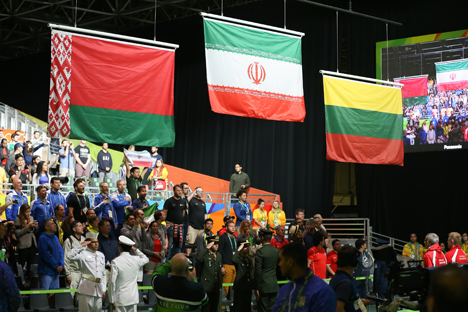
(235, 242)
(262, 215)
(21, 198)
(301, 289)
(78, 199)
(137, 183)
(246, 207)
(142, 203)
(121, 195)
(276, 215)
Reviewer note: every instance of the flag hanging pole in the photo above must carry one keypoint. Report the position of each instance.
(115, 36)
(410, 77)
(326, 72)
(242, 22)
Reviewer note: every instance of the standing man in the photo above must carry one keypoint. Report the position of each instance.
(20, 170)
(108, 244)
(72, 269)
(104, 159)
(434, 255)
(185, 191)
(18, 199)
(18, 150)
(332, 258)
(344, 284)
(134, 180)
(317, 257)
(155, 156)
(365, 263)
(92, 287)
(266, 283)
(55, 197)
(40, 207)
(227, 247)
(103, 207)
(83, 158)
(50, 263)
(123, 287)
(58, 219)
(211, 264)
(121, 202)
(244, 283)
(197, 212)
(65, 158)
(239, 181)
(315, 296)
(141, 202)
(455, 255)
(78, 203)
(36, 141)
(174, 208)
(202, 237)
(278, 241)
(413, 250)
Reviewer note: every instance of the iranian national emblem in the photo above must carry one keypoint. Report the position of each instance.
(256, 73)
(453, 76)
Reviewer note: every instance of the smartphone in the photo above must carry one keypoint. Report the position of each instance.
(190, 263)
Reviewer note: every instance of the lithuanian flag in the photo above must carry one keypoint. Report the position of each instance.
(364, 122)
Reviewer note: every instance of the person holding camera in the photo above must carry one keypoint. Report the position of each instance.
(65, 158)
(180, 292)
(14, 200)
(212, 271)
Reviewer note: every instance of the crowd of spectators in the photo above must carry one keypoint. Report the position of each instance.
(443, 119)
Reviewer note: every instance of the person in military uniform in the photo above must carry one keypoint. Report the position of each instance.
(211, 264)
(92, 288)
(266, 284)
(244, 283)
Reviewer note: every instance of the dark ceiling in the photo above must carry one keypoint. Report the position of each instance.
(24, 30)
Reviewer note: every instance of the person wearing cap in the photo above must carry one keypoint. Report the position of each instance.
(244, 282)
(201, 238)
(223, 228)
(365, 263)
(266, 284)
(456, 254)
(92, 288)
(211, 264)
(123, 287)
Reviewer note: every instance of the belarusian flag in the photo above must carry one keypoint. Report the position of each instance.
(364, 122)
(139, 159)
(103, 90)
(452, 75)
(253, 73)
(414, 91)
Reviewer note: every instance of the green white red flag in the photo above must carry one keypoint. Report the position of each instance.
(253, 73)
(452, 75)
(103, 90)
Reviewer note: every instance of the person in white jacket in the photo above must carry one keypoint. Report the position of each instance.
(92, 288)
(72, 268)
(123, 287)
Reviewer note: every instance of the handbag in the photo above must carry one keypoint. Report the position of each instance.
(160, 185)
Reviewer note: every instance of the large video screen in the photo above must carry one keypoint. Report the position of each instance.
(434, 70)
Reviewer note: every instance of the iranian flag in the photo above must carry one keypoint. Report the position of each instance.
(363, 122)
(104, 90)
(414, 91)
(452, 75)
(139, 159)
(253, 73)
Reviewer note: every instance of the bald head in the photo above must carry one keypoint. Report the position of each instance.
(17, 185)
(179, 264)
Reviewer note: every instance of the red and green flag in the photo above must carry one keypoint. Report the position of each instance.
(103, 90)
(414, 91)
(363, 122)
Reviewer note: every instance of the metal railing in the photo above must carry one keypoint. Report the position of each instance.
(397, 244)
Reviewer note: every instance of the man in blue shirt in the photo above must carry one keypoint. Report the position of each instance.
(121, 201)
(141, 201)
(103, 207)
(55, 197)
(65, 158)
(344, 284)
(108, 244)
(10, 299)
(50, 261)
(306, 292)
(18, 199)
(40, 207)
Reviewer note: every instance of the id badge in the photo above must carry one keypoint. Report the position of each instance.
(359, 305)
(247, 217)
(110, 214)
(301, 302)
(276, 223)
(85, 209)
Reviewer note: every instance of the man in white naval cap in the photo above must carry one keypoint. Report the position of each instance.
(123, 287)
(92, 288)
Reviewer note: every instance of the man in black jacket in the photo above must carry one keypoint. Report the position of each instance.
(227, 247)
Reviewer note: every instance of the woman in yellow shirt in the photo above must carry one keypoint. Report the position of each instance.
(260, 216)
(276, 216)
(158, 174)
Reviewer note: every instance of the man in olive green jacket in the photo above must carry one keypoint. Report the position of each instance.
(266, 283)
(211, 264)
(244, 282)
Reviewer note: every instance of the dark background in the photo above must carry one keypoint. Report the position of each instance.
(289, 158)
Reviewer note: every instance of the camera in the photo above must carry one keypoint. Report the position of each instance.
(15, 201)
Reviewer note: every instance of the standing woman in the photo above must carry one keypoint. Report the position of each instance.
(42, 176)
(260, 216)
(153, 248)
(276, 216)
(28, 151)
(159, 176)
(242, 209)
(4, 151)
(26, 230)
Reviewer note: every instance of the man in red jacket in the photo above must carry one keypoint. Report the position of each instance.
(434, 256)
(456, 254)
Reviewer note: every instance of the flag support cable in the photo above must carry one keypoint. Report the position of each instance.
(284, 14)
(337, 45)
(155, 6)
(326, 72)
(110, 35)
(410, 77)
(386, 27)
(242, 22)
